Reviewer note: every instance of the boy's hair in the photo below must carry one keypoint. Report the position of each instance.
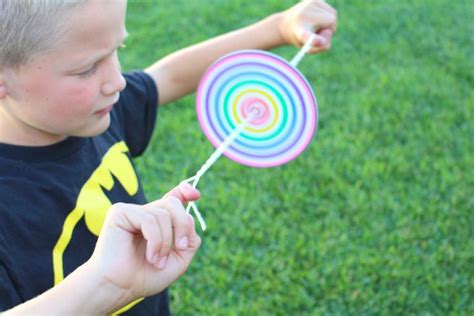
(28, 27)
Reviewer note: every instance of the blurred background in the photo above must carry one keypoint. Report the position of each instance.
(376, 216)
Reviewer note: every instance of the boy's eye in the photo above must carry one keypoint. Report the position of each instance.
(89, 72)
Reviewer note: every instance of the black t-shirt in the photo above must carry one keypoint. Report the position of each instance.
(53, 199)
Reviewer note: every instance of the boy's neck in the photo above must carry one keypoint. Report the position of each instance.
(28, 140)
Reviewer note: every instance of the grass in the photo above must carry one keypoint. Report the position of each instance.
(376, 216)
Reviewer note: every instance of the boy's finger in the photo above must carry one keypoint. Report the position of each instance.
(179, 219)
(133, 219)
(323, 5)
(326, 33)
(320, 20)
(323, 41)
(185, 256)
(184, 192)
(164, 221)
(194, 240)
(324, 38)
(318, 40)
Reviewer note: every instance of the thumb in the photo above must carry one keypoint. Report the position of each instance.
(184, 192)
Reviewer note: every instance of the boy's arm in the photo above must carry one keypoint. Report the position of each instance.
(141, 250)
(179, 73)
(79, 293)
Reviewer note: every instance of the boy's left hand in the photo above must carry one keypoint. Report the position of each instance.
(142, 249)
(305, 18)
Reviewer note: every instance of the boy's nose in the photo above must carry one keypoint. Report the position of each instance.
(114, 81)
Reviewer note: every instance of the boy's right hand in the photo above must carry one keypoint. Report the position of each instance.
(141, 250)
(306, 18)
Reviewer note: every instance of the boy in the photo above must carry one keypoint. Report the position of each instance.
(70, 124)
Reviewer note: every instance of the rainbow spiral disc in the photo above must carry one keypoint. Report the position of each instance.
(282, 104)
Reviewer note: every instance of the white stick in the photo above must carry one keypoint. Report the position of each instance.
(305, 49)
(210, 161)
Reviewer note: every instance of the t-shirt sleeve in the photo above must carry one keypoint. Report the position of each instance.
(136, 110)
(9, 297)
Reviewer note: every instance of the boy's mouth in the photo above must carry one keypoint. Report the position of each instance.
(107, 109)
(104, 111)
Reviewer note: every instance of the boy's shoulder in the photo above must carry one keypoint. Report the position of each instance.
(140, 85)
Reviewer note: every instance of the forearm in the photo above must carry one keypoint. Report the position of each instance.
(179, 73)
(79, 294)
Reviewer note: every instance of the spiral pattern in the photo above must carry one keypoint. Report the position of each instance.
(281, 103)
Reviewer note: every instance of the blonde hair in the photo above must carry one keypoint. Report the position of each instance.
(29, 27)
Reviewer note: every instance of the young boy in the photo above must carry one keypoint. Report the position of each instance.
(70, 124)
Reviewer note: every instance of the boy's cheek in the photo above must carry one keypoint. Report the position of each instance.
(79, 95)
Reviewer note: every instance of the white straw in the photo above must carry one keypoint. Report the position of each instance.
(210, 161)
(305, 49)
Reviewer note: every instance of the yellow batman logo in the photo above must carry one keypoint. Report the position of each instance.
(93, 204)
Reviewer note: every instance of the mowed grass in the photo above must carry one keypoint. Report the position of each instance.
(376, 216)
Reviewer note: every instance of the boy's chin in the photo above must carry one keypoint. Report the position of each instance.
(95, 130)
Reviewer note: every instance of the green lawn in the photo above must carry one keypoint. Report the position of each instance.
(376, 216)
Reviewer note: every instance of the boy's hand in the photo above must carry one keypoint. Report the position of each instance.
(305, 18)
(141, 250)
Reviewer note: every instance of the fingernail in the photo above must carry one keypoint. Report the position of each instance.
(162, 263)
(183, 243)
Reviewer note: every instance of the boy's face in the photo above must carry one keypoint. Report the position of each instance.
(69, 90)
